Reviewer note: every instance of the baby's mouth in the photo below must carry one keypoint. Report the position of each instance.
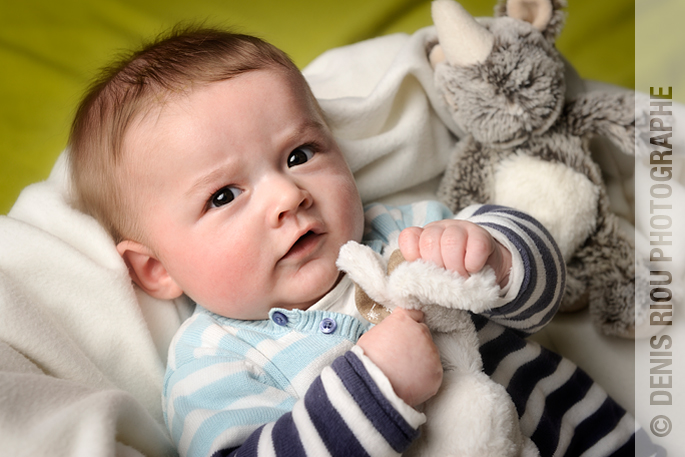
(304, 245)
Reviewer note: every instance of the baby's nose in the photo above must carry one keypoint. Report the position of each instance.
(289, 198)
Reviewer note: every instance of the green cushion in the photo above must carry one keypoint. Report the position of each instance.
(50, 49)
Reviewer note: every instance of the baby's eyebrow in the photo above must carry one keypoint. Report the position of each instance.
(295, 137)
(308, 126)
(206, 180)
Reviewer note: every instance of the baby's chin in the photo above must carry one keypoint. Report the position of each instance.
(305, 305)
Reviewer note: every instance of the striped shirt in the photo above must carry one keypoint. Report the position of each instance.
(296, 384)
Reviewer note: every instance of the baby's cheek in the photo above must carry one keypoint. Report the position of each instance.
(355, 214)
(223, 277)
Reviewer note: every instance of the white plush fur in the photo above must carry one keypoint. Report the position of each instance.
(562, 199)
(414, 284)
(471, 416)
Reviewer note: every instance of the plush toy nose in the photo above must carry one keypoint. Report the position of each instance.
(463, 40)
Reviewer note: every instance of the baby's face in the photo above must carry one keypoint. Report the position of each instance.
(245, 198)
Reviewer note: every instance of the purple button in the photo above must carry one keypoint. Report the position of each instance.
(328, 325)
(280, 318)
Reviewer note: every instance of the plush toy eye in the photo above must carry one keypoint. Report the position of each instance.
(300, 155)
(223, 196)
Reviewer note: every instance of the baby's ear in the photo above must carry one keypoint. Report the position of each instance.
(147, 271)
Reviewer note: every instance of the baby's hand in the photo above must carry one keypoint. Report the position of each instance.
(456, 245)
(402, 347)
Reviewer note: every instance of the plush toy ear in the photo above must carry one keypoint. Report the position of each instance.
(544, 15)
(147, 271)
(536, 12)
(365, 268)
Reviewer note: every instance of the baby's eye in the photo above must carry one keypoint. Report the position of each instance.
(223, 196)
(300, 156)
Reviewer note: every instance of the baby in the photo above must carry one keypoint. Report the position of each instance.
(207, 158)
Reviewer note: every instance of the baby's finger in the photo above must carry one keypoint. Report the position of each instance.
(409, 243)
(453, 248)
(430, 244)
(414, 314)
(480, 245)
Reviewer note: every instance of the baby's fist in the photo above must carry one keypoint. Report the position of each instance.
(457, 245)
(402, 347)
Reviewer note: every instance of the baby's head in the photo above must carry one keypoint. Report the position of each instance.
(207, 158)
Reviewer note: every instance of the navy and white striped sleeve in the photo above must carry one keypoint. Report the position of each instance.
(343, 413)
(538, 276)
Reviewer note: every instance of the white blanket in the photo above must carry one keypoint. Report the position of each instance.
(82, 353)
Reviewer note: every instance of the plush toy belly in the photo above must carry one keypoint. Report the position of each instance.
(563, 200)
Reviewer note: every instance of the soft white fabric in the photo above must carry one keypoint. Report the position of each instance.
(379, 100)
(82, 353)
(81, 368)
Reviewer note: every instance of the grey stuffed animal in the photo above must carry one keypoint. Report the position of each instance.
(527, 147)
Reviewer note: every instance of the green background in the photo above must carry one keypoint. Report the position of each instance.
(49, 50)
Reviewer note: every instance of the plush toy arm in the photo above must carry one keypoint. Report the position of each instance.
(607, 114)
(367, 269)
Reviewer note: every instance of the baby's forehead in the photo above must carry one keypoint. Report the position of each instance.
(182, 95)
(156, 115)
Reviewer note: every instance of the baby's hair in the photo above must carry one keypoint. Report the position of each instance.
(136, 83)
